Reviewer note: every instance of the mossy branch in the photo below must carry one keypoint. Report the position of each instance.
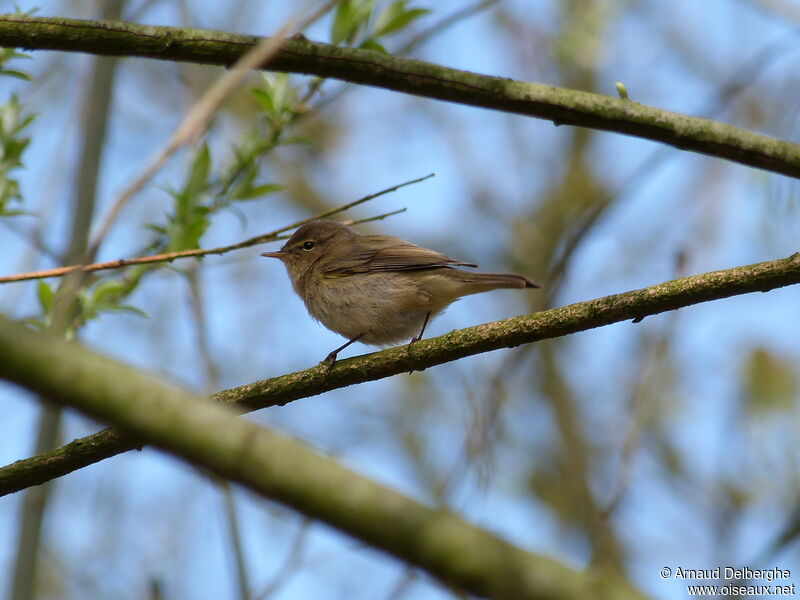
(507, 333)
(562, 106)
(209, 435)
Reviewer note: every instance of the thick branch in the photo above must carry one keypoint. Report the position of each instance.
(287, 471)
(637, 304)
(562, 106)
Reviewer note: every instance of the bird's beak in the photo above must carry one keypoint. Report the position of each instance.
(280, 254)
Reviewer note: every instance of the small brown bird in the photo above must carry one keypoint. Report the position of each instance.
(377, 289)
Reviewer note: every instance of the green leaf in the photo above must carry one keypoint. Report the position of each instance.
(282, 92)
(371, 44)
(396, 17)
(277, 97)
(132, 310)
(45, 294)
(16, 213)
(159, 229)
(25, 13)
(107, 296)
(343, 22)
(198, 175)
(18, 74)
(294, 140)
(190, 217)
(7, 54)
(264, 99)
(350, 19)
(256, 191)
(12, 147)
(87, 309)
(108, 293)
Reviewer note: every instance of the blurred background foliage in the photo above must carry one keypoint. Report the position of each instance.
(669, 442)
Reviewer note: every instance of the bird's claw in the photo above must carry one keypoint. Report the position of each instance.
(328, 362)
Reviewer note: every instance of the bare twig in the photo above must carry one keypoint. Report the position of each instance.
(447, 22)
(198, 252)
(290, 564)
(232, 522)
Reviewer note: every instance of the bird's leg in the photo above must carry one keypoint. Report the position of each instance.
(418, 337)
(421, 331)
(330, 360)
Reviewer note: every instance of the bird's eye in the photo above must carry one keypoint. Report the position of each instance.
(308, 245)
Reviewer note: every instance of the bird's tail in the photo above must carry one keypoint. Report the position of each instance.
(476, 283)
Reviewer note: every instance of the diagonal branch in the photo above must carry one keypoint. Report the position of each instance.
(199, 117)
(285, 470)
(298, 55)
(634, 305)
(168, 257)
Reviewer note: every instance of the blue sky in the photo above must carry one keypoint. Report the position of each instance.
(145, 515)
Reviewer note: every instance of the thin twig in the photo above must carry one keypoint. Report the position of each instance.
(445, 23)
(234, 531)
(198, 252)
(375, 218)
(291, 563)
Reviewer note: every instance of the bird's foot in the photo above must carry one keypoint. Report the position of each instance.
(328, 362)
(408, 349)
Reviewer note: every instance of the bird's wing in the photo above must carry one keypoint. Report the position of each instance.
(375, 255)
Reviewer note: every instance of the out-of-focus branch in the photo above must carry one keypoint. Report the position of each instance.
(634, 305)
(287, 471)
(562, 106)
(291, 563)
(198, 119)
(452, 19)
(94, 127)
